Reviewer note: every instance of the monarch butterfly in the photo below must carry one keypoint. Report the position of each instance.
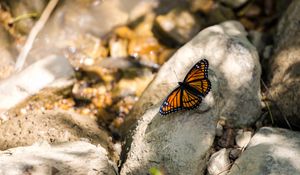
(188, 95)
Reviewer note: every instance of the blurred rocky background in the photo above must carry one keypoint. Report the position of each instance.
(86, 100)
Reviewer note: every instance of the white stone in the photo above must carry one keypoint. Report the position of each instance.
(74, 158)
(219, 163)
(234, 3)
(219, 130)
(243, 138)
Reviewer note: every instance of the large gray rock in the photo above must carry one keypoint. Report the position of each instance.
(271, 151)
(74, 158)
(284, 73)
(180, 142)
(233, 63)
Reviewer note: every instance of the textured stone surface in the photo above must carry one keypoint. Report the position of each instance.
(234, 72)
(271, 151)
(50, 126)
(181, 142)
(74, 158)
(284, 73)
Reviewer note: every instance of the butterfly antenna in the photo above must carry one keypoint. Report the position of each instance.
(175, 74)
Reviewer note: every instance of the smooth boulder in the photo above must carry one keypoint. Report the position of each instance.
(180, 143)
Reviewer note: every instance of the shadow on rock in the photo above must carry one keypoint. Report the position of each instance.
(284, 74)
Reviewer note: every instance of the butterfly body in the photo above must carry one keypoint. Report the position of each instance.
(188, 95)
(189, 88)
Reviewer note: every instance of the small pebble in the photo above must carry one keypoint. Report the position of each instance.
(118, 47)
(243, 138)
(219, 129)
(219, 163)
(234, 3)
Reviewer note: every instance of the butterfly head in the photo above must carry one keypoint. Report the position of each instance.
(180, 83)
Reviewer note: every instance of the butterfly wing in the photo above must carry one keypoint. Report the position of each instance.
(179, 99)
(190, 100)
(189, 97)
(202, 86)
(172, 103)
(198, 71)
(197, 78)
